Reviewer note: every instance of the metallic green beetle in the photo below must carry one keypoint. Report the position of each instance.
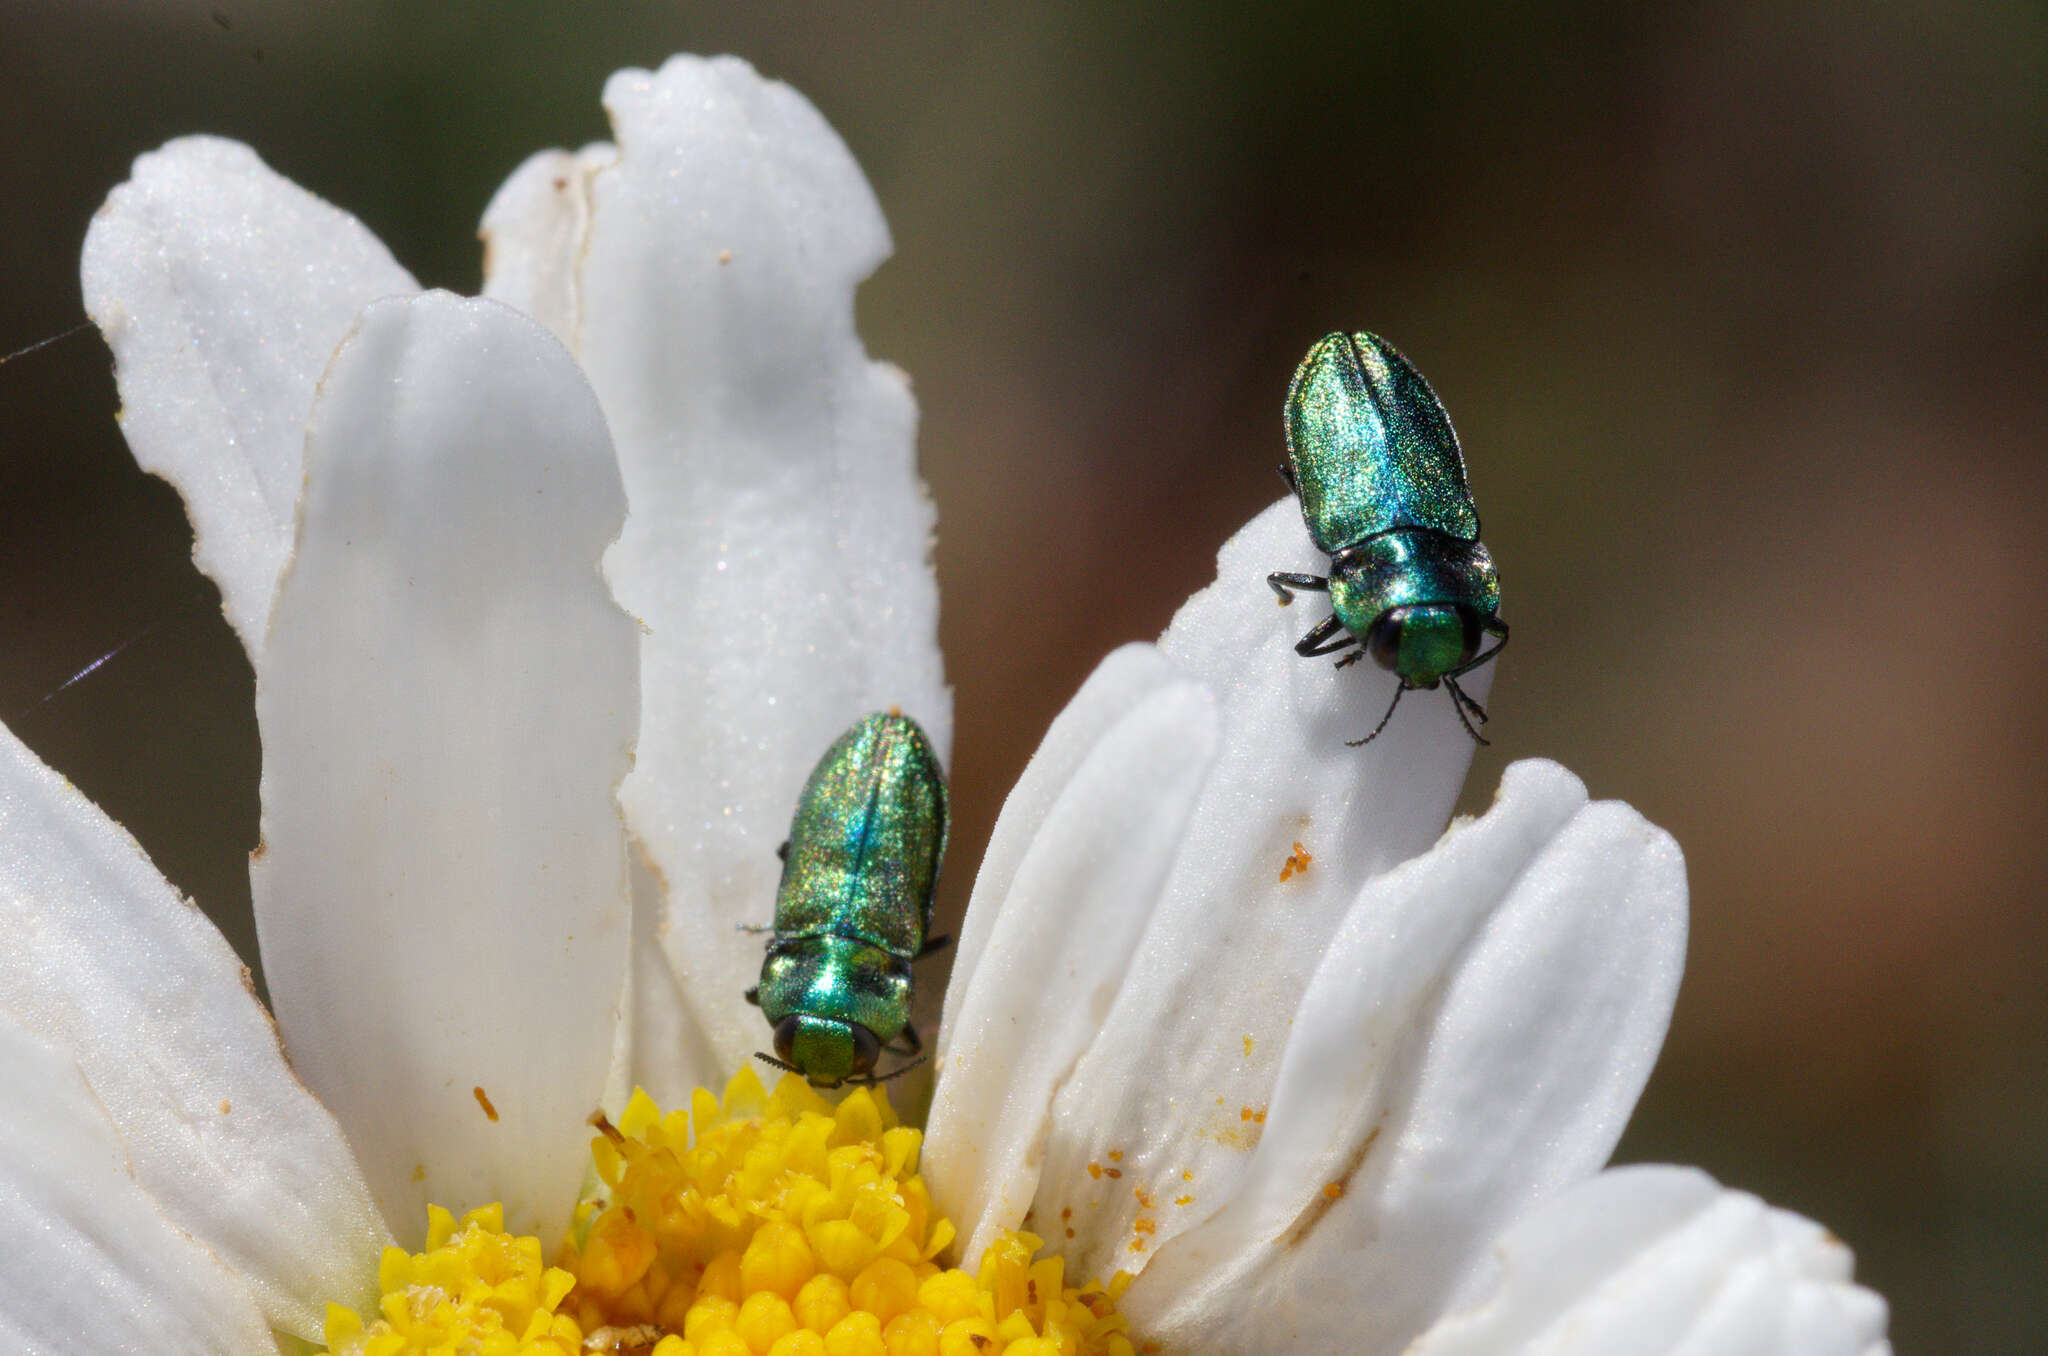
(1372, 458)
(855, 903)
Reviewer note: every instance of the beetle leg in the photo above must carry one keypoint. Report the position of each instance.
(1493, 626)
(1287, 474)
(1318, 642)
(1458, 700)
(782, 852)
(1283, 580)
(913, 1044)
(931, 944)
(753, 995)
(1465, 699)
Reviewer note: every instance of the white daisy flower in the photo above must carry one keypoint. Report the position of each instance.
(1235, 1036)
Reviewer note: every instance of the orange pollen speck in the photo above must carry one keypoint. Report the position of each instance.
(1116, 1155)
(1095, 1171)
(1296, 864)
(483, 1100)
(1335, 1191)
(1183, 1200)
(1112, 1172)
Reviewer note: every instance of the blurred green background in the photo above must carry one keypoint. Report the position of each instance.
(1741, 310)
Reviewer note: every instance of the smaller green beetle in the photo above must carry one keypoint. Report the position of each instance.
(1373, 459)
(855, 904)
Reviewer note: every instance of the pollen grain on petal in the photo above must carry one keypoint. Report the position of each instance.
(1297, 864)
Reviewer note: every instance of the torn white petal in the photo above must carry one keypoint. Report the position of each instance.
(1656, 1260)
(778, 541)
(90, 1263)
(223, 289)
(534, 233)
(1071, 913)
(447, 704)
(102, 959)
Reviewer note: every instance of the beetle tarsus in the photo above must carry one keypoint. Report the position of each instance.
(1283, 581)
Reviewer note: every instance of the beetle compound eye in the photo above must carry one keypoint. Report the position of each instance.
(1383, 639)
(866, 1049)
(785, 1038)
(1470, 619)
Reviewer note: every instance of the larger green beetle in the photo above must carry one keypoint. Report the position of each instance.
(1373, 459)
(855, 903)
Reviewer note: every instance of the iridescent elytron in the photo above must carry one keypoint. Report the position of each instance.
(1372, 457)
(855, 903)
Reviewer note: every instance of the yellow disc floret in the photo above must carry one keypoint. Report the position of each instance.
(475, 1289)
(762, 1224)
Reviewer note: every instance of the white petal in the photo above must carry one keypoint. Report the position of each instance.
(222, 289)
(447, 703)
(1650, 1260)
(534, 233)
(1071, 914)
(1191, 1047)
(664, 1051)
(1472, 1043)
(1120, 683)
(778, 539)
(90, 1263)
(102, 959)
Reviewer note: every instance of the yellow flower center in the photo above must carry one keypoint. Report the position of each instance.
(765, 1224)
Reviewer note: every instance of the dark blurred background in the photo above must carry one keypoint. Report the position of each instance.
(1741, 310)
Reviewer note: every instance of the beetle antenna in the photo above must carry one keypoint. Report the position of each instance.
(898, 1073)
(1459, 707)
(767, 1058)
(1398, 690)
